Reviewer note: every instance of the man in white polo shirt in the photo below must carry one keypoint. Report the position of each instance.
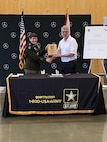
(67, 50)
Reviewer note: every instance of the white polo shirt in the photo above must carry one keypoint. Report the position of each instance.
(68, 46)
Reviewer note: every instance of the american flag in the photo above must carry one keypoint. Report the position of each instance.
(22, 45)
(67, 21)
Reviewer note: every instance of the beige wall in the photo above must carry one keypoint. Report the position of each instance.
(97, 9)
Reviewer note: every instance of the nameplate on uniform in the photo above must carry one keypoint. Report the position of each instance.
(52, 49)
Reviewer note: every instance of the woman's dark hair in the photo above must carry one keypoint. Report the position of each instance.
(33, 35)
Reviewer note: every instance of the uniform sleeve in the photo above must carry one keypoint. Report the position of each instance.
(35, 55)
(42, 52)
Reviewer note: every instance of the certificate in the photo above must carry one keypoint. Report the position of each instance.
(52, 49)
(95, 42)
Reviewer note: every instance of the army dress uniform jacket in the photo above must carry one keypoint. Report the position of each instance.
(33, 57)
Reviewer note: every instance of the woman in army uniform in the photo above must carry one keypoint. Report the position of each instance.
(34, 56)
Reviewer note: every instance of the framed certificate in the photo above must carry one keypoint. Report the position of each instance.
(51, 49)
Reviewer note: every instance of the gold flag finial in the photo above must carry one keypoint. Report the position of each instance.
(22, 5)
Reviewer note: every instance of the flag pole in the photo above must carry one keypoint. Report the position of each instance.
(22, 45)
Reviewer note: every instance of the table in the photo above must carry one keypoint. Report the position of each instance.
(53, 94)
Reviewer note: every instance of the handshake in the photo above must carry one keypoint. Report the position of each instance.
(50, 59)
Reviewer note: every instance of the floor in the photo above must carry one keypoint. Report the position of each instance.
(53, 128)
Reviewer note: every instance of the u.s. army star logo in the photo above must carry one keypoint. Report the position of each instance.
(70, 98)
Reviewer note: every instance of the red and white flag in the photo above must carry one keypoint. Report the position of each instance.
(22, 45)
(67, 21)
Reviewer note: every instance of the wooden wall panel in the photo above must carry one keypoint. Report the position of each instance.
(94, 7)
(98, 11)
